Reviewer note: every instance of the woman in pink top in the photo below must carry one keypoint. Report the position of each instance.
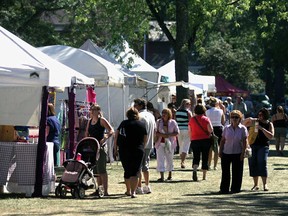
(167, 131)
(232, 149)
(200, 129)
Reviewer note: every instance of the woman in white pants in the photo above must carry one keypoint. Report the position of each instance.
(167, 131)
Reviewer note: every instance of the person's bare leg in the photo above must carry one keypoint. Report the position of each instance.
(204, 174)
(209, 158)
(128, 187)
(146, 177)
(183, 157)
(215, 160)
(282, 144)
(277, 145)
(264, 181)
(255, 179)
(140, 180)
(133, 184)
(104, 181)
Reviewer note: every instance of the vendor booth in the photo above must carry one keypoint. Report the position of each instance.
(25, 77)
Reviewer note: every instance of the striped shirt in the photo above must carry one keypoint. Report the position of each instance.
(182, 119)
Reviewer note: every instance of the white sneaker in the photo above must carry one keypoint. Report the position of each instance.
(139, 190)
(147, 189)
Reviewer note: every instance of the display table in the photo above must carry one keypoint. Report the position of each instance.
(18, 167)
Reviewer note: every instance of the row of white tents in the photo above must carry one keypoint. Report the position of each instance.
(25, 72)
(21, 65)
(116, 86)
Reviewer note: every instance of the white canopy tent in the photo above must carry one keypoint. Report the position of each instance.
(23, 72)
(138, 86)
(112, 93)
(26, 104)
(197, 82)
(140, 67)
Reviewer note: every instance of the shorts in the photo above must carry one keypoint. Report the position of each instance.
(100, 167)
(146, 160)
(280, 132)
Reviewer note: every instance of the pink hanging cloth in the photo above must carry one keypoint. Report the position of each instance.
(90, 95)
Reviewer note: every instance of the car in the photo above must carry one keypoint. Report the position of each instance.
(260, 101)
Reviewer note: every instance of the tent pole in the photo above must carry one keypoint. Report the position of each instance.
(71, 120)
(41, 147)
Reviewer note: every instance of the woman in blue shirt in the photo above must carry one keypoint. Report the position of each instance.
(53, 130)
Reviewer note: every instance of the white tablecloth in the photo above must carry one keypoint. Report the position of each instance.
(18, 167)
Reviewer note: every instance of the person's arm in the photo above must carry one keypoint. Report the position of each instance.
(245, 145)
(47, 130)
(210, 127)
(115, 144)
(109, 129)
(248, 122)
(268, 133)
(223, 119)
(222, 142)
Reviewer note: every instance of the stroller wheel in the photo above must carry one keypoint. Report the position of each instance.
(79, 193)
(58, 191)
(63, 191)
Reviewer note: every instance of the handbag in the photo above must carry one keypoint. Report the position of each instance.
(213, 137)
(248, 152)
(121, 139)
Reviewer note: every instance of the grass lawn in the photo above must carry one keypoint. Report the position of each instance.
(182, 196)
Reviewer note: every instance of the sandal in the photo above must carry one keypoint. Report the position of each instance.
(160, 180)
(255, 188)
(169, 178)
(127, 193)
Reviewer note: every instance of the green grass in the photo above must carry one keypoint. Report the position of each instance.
(182, 196)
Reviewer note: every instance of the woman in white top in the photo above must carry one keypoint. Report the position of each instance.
(217, 118)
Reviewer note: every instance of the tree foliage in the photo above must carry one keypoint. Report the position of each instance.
(239, 39)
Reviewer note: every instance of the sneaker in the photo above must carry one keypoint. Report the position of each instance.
(147, 189)
(139, 190)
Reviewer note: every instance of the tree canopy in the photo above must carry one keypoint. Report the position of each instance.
(242, 40)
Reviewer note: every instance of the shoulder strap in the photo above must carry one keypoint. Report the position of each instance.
(201, 126)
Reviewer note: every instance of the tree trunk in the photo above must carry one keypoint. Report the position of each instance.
(181, 48)
(279, 86)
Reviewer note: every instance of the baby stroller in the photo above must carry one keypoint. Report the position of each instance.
(78, 175)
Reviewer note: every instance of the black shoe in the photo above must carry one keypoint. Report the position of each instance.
(160, 180)
(194, 176)
(223, 192)
(169, 178)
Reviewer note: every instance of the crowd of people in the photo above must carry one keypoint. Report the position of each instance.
(190, 130)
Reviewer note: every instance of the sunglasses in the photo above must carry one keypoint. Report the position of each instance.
(234, 117)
